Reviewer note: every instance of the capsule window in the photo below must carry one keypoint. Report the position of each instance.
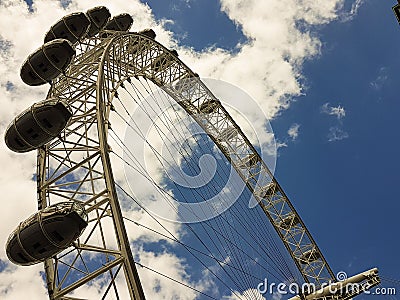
(14, 141)
(120, 25)
(53, 119)
(31, 132)
(63, 35)
(49, 36)
(43, 67)
(28, 128)
(57, 236)
(23, 257)
(43, 250)
(46, 123)
(55, 59)
(72, 26)
(19, 142)
(32, 75)
(35, 244)
(63, 53)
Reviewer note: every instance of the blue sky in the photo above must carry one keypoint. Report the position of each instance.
(339, 166)
(345, 190)
(199, 24)
(355, 180)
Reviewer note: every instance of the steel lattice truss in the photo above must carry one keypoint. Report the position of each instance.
(77, 167)
(191, 94)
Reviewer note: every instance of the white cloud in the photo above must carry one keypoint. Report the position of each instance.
(163, 288)
(17, 283)
(337, 134)
(293, 131)
(337, 111)
(277, 296)
(268, 67)
(247, 294)
(348, 16)
(378, 83)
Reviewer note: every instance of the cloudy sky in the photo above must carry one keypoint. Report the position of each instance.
(323, 72)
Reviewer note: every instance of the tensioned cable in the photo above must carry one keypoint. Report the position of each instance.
(188, 246)
(176, 240)
(169, 195)
(239, 219)
(162, 96)
(159, 223)
(175, 280)
(145, 171)
(391, 280)
(220, 264)
(245, 210)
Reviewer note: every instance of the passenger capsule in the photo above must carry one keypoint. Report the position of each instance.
(163, 61)
(72, 27)
(98, 16)
(149, 33)
(137, 46)
(47, 62)
(289, 221)
(228, 133)
(310, 256)
(46, 233)
(38, 125)
(120, 22)
(209, 106)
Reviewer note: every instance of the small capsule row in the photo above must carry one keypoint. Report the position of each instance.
(45, 120)
(55, 228)
(53, 57)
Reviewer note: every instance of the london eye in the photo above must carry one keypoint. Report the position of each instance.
(127, 129)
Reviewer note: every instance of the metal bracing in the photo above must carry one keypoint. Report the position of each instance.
(159, 65)
(77, 166)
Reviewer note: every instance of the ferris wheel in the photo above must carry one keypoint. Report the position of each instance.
(79, 231)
